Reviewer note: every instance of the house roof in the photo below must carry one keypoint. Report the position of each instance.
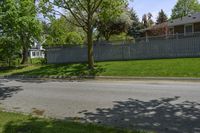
(194, 18)
(157, 26)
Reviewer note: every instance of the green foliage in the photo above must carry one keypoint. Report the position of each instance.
(80, 11)
(136, 26)
(8, 39)
(37, 61)
(85, 14)
(122, 38)
(118, 37)
(184, 8)
(113, 18)
(59, 32)
(185, 67)
(162, 17)
(17, 123)
(73, 38)
(19, 25)
(111, 9)
(8, 50)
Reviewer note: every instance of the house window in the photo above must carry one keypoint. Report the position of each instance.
(33, 54)
(189, 29)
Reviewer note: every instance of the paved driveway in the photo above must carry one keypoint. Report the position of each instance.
(163, 106)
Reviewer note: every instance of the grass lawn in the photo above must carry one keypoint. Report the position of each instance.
(17, 123)
(183, 67)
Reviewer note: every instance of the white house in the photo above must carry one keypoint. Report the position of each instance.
(37, 51)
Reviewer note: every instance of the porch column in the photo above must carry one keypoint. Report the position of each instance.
(146, 36)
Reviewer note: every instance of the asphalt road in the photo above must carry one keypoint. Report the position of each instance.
(162, 106)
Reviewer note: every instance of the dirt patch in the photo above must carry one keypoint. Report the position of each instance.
(38, 112)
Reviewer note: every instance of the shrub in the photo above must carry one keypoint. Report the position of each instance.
(37, 61)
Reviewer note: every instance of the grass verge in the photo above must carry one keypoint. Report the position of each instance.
(184, 67)
(17, 123)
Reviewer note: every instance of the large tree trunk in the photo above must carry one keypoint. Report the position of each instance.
(24, 55)
(90, 49)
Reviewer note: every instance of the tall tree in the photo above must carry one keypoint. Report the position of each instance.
(184, 8)
(19, 22)
(147, 20)
(84, 12)
(162, 17)
(30, 27)
(8, 38)
(136, 25)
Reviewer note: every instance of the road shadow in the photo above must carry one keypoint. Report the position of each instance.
(7, 92)
(158, 115)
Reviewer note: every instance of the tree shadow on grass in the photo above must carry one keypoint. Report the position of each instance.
(9, 69)
(7, 92)
(158, 115)
(34, 125)
(64, 70)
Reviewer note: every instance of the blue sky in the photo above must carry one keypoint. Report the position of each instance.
(153, 6)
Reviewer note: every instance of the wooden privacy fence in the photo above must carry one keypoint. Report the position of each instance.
(156, 49)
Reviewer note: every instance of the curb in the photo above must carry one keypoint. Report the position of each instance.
(148, 78)
(47, 77)
(100, 78)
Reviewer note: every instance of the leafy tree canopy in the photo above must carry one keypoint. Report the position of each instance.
(19, 25)
(73, 38)
(113, 20)
(184, 8)
(85, 14)
(59, 30)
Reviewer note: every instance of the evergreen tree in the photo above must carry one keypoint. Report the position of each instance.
(162, 17)
(136, 25)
